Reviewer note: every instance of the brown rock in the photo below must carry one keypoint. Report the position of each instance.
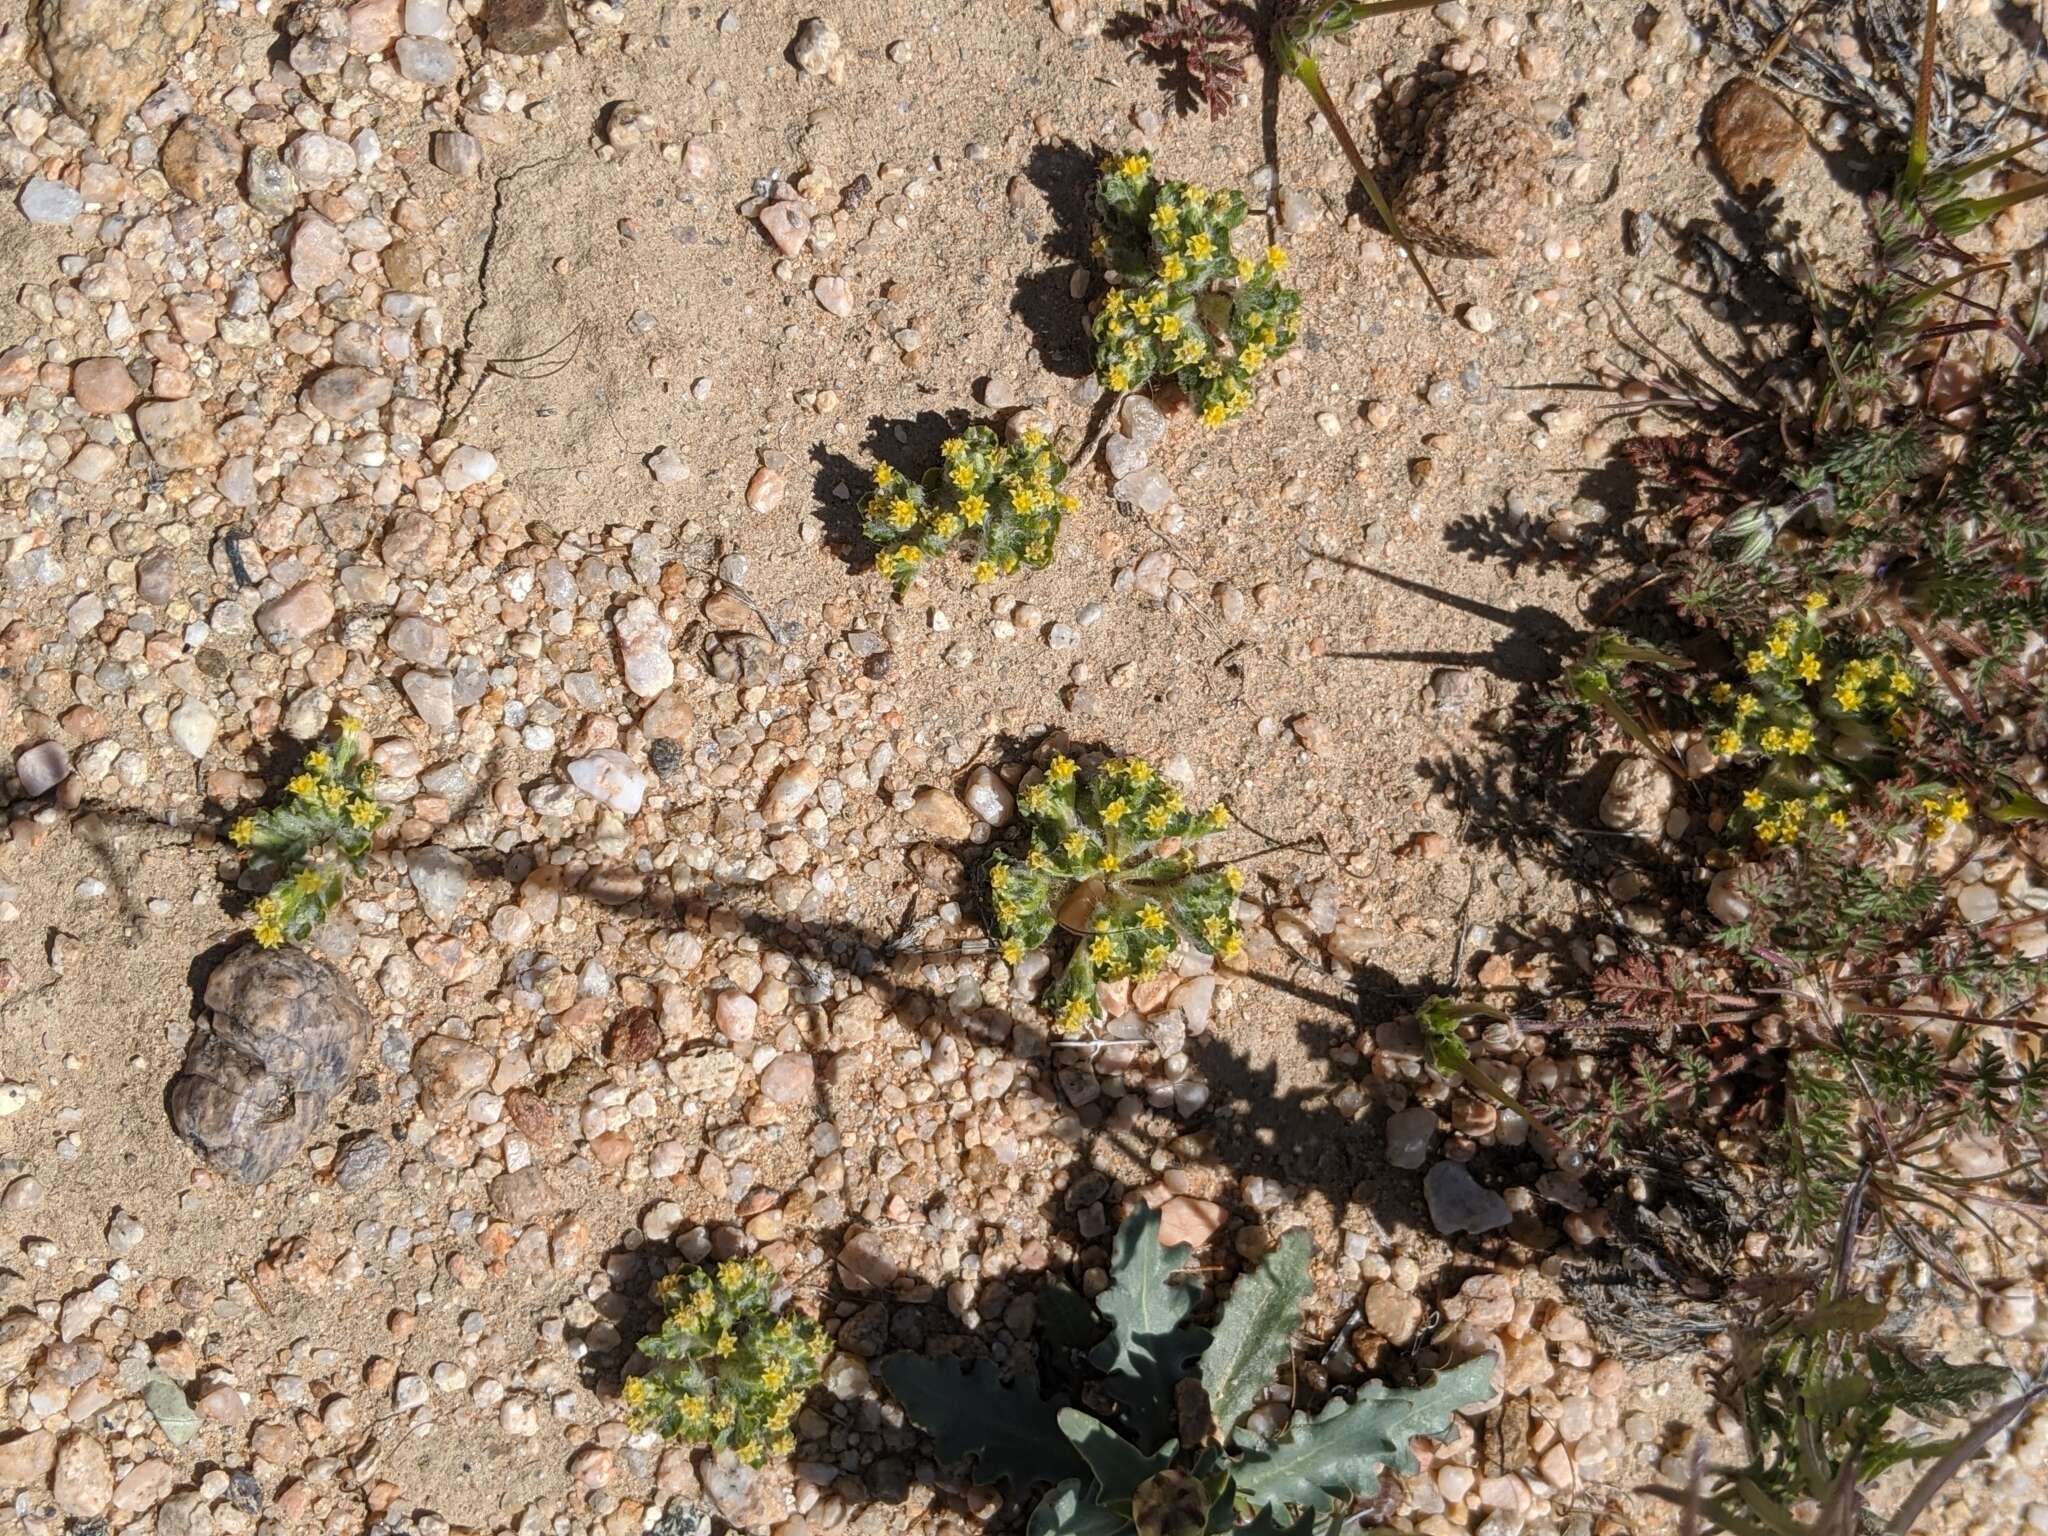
(374, 25)
(104, 56)
(201, 162)
(83, 1482)
(26, 1459)
(525, 26)
(294, 615)
(522, 1196)
(176, 434)
(1186, 1219)
(1478, 173)
(633, 1038)
(938, 813)
(101, 386)
(1755, 139)
(282, 1035)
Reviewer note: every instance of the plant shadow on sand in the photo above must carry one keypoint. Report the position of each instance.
(1301, 1117)
(838, 484)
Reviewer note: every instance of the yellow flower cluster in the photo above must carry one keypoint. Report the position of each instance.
(1178, 305)
(318, 833)
(1808, 716)
(1128, 832)
(729, 1372)
(1005, 499)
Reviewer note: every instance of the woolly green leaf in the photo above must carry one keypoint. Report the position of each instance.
(1012, 1434)
(1336, 1456)
(1065, 1319)
(1068, 1511)
(1268, 1522)
(1118, 1465)
(1149, 1350)
(1256, 1331)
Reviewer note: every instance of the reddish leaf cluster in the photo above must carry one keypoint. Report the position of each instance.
(1211, 45)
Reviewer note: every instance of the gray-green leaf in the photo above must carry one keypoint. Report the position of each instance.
(1118, 1465)
(1256, 1331)
(1068, 1511)
(1149, 1348)
(1337, 1455)
(1011, 1432)
(165, 1400)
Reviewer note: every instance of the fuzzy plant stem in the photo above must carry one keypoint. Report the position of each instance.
(1311, 79)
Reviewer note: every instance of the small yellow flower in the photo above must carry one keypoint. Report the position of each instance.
(1276, 259)
(1172, 268)
(1728, 743)
(962, 475)
(1233, 877)
(1253, 356)
(1753, 800)
(1101, 949)
(1838, 819)
(1799, 740)
(1809, 667)
(1114, 812)
(1153, 918)
(885, 476)
(902, 513)
(351, 726)
(1756, 661)
(302, 784)
(1169, 327)
(1201, 247)
(1746, 706)
(1012, 951)
(1848, 695)
(984, 570)
(268, 932)
(318, 762)
(1134, 165)
(1073, 1015)
(1772, 740)
(1061, 770)
(1214, 414)
(1245, 268)
(1109, 864)
(1815, 601)
(1219, 816)
(1119, 377)
(243, 832)
(945, 525)
(974, 508)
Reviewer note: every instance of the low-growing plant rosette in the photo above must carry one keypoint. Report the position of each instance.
(1001, 500)
(1179, 306)
(1108, 860)
(730, 1369)
(314, 839)
(1817, 715)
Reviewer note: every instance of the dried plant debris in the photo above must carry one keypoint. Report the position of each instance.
(1794, 47)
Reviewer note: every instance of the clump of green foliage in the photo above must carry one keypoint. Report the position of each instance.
(316, 836)
(1179, 307)
(1829, 1405)
(1857, 528)
(1109, 858)
(1001, 500)
(730, 1369)
(1153, 1439)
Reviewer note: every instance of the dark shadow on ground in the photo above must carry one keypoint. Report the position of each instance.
(1064, 174)
(908, 443)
